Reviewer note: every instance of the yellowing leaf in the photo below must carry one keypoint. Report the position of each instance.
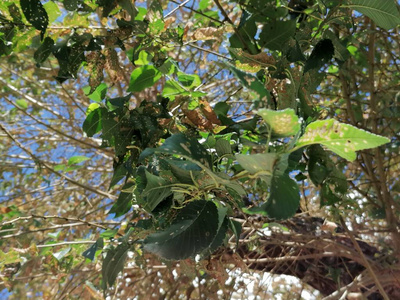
(343, 139)
(282, 122)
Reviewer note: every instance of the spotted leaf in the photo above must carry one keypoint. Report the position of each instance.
(282, 122)
(35, 14)
(193, 231)
(343, 139)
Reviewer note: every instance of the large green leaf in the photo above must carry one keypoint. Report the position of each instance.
(223, 223)
(185, 171)
(383, 12)
(179, 144)
(113, 263)
(53, 11)
(93, 122)
(261, 163)
(282, 122)
(35, 14)
(98, 94)
(341, 53)
(45, 49)
(156, 191)
(143, 77)
(343, 139)
(321, 55)
(173, 88)
(251, 82)
(119, 173)
(284, 197)
(124, 201)
(193, 230)
(275, 34)
(223, 147)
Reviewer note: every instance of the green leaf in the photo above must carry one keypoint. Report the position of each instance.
(251, 82)
(282, 122)
(124, 201)
(22, 103)
(93, 122)
(185, 171)
(383, 12)
(322, 169)
(113, 263)
(284, 198)
(293, 51)
(92, 107)
(155, 191)
(120, 101)
(341, 52)
(261, 163)
(235, 190)
(143, 77)
(90, 253)
(35, 14)
(193, 104)
(223, 147)
(107, 6)
(321, 55)
(129, 6)
(275, 34)
(60, 167)
(189, 81)
(179, 144)
(72, 5)
(109, 233)
(119, 173)
(14, 12)
(52, 10)
(61, 254)
(244, 39)
(45, 49)
(70, 55)
(143, 58)
(223, 222)
(173, 88)
(193, 230)
(343, 139)
(77, 159)
(98, 94)
(138, 27)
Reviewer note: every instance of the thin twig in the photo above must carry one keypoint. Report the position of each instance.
(38, 160)
(66, 243)
(224, 13)
(176, 8)
(367, 265)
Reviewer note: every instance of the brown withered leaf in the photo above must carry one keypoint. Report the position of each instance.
(95, 67)
(209, 113)
(202, 117)
(261, 59)
(210, 33)
(112, 65)
(196, 118)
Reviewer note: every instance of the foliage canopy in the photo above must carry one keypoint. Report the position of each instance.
(177, 146)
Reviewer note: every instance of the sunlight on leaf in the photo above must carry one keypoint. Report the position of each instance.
(343, 139)
(282, 122)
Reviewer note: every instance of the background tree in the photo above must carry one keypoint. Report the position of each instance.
(199, 147)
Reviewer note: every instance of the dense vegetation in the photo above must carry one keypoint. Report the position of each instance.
(193, 149)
